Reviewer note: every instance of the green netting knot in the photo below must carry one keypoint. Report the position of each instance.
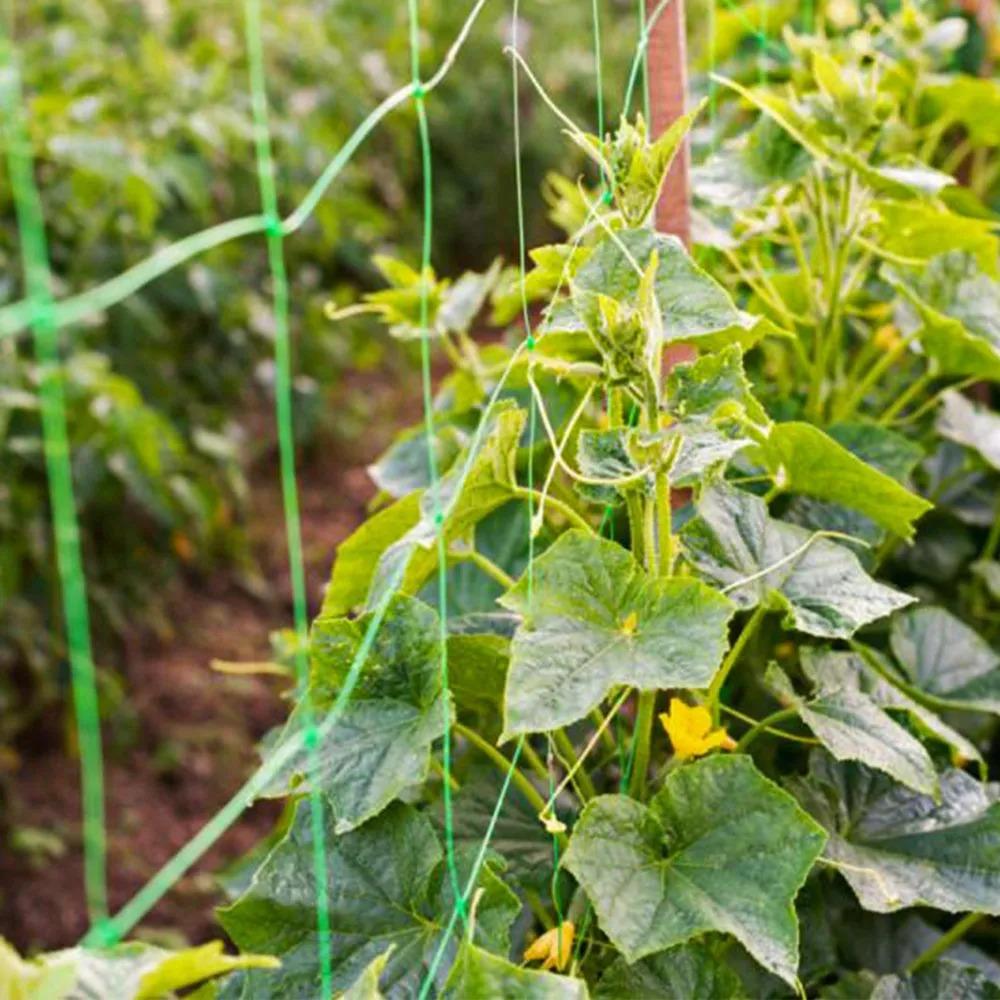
(530, 342)
(607, 198)
(418, 91)
(439, 519)
(272, 225)
(103, 934)
(311, 738)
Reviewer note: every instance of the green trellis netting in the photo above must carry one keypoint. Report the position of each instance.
(47, 317)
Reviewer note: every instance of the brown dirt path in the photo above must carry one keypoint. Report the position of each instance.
(183, 739)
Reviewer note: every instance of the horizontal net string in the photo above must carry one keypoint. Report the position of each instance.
(17, 316)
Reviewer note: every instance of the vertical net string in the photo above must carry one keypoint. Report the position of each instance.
(419, 97)
(58, 464)
(173, 869)
(289, 485)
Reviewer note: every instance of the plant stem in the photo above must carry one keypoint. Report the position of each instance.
(765, 724)
(585, 786)
(730, 661)
(872, 375)
(649, 534)
(635, 525)
(503, 765)
(904, 398)
(439, 770)
(643, 737)
(664, 524)
(534, 761)
(490, 568)
(522, 493)
(943, 943)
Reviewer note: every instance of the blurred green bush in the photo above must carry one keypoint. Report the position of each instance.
(140, 120)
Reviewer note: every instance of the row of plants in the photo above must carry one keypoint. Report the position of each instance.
(141, 124)
(726, 627)
(718, 638)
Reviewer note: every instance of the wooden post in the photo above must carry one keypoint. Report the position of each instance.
(667, 59)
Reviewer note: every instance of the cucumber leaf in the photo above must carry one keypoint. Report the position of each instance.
(688, 972)
(381, 745)
(693, 306)
(853, 727)
(719, 848)
(478, 973)
(897, 848)
(480, 480)
(387, 886)
(943, 978)
(803, 459)
(851, 671)
(594, 620)
(737, 545)
(971, 425)
(947, 659)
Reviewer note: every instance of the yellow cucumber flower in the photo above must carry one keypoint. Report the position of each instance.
(690, 730)
(554, 948)
(886, 337)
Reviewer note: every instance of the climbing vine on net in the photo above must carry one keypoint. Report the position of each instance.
(511, 752)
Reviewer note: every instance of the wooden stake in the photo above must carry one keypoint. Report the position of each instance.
(667, 57)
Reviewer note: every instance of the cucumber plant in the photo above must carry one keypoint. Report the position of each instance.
(648, 732)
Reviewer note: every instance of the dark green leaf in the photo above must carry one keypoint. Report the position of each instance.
(849, 670)
(897, 848)
(937, 981)
(947, 659)
(687, 972)
(480, 975)
(387, 886)
(720, 848)
(737, 545)
(381, 744)
(594, 620)
(853, 727)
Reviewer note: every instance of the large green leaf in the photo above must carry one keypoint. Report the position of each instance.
(516, 834)
(387, 886)
(687, 972)
(971, 425)
(897, 848)
(358, 555)
(947, 659)
(851, 671)
(937, 981)
(693, 306)
(719, 848)
(922, 229)
(381, 744)
(480, 480)
(737, 545)
(593, 620)
(853, 727)
(804, 459)
(889, 452)
(958, 313)
(711, 387)
(479, 975)
(404, 468)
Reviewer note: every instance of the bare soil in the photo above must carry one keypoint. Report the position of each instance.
(182, 740)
